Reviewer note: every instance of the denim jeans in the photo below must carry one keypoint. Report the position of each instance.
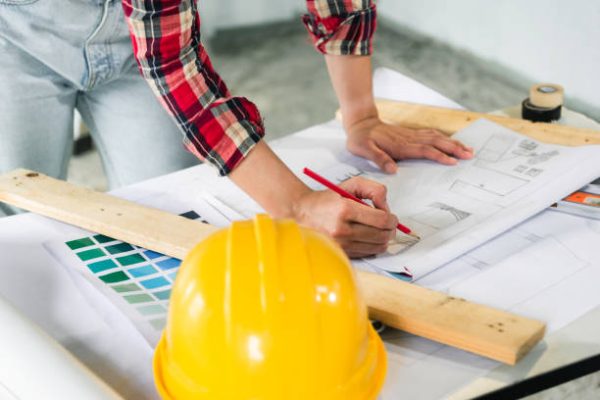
(61, 55)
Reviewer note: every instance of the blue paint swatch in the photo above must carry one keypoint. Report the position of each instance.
(168, 263)
(152, 254)
(155, 283)
(142, 271)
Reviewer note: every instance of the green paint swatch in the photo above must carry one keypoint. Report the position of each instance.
(126, 287)
(118, 276)
(158, 323)
(151, 309)
(131, 259)
(119, 248)
(164, 295)
(79, 243)
(103, 239)
(90, 254)
(103, 265)
(138, 298)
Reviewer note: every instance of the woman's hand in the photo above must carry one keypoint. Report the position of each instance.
(385, 144)
(360, 230)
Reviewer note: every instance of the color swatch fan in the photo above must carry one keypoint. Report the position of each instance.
(135, 280)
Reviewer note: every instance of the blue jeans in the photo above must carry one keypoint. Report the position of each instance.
(61, 55)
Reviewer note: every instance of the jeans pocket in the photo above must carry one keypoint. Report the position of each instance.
(17, 2)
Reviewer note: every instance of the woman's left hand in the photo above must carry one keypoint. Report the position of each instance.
(384, 144)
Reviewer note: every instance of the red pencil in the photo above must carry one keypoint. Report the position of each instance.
(343, 193)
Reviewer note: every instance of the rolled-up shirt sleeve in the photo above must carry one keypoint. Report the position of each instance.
(217, 127)
(341, 27)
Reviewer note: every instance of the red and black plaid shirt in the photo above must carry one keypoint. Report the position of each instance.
(218, 127)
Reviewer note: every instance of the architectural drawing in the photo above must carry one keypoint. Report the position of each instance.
(439, 216)
(436, 217)
(454, 209)
(495, 148)
(488, 183)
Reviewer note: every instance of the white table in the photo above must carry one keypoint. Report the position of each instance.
(64, 306)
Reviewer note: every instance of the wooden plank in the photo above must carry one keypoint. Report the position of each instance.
(101, 213)
(454, 321)
(450, 121)
(476, 328)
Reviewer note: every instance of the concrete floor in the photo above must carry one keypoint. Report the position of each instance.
(277, 68)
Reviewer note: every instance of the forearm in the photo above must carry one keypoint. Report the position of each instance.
(217, 127)
(353, 86)
(265, 178)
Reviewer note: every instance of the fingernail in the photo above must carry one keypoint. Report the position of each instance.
(452, 160)
(390, 167)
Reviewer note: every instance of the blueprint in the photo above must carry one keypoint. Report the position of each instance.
(454, 209)
(546, 268)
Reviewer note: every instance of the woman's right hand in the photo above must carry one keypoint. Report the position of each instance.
(360, 230)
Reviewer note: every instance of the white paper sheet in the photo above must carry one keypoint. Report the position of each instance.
(44, 292)
(546, 268)
(457, 208)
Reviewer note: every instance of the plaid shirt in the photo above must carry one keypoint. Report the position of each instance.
(218, 127)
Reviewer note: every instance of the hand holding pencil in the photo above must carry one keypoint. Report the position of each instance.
(330, 185)
(361, 230)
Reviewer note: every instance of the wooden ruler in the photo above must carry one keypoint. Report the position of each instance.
(449, 121)
(456, 322)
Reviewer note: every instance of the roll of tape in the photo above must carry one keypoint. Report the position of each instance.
(546, 95)
(539, 114)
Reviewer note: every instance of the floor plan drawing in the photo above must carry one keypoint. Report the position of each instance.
(487, 183)
(454, 209)
(495, 148)
(525, 153)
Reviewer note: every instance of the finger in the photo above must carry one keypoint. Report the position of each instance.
(372, 152)
(451, 147)
(429, 152)
(361, 249)
(369, 234)
(431, 136)
(368, 189)
(466, 148)
(362, 214)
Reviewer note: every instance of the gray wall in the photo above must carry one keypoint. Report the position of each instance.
(530, 41)
(533, 40)
(222, 14)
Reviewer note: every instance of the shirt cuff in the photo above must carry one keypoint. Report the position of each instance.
(350, 34)
(225, 132)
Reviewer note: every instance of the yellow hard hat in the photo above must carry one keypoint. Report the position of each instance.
(268, 310)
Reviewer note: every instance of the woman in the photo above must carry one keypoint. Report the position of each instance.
(61, 55)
